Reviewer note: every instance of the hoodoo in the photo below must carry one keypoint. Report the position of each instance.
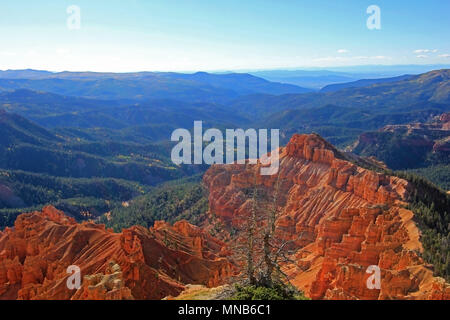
(342, 218)
(137, 263)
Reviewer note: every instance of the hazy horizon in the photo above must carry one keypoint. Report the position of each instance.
(343, 69)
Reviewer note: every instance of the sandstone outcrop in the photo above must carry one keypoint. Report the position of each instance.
(342, 219)
(153, 263)
(101, 286)
(411, 145)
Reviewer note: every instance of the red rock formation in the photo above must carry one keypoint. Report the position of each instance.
(341, 217)
(35, 254)
(107, 286)
(440, 290)
(418, 138)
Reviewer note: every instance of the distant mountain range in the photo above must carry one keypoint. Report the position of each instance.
(363, 83)
(340, 116)
(309, 79)
(339, 112)
(318, 78)
(196, 87)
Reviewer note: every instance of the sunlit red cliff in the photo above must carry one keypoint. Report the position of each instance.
(341, 217)
(153, 263)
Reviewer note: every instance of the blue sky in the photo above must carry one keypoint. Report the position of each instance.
(189, 35)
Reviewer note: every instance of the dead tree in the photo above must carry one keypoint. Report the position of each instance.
(262, 252)
(251, 229)
(275, 251)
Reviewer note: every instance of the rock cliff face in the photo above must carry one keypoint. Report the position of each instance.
(341, 218)
(408, 146)
(148, 263)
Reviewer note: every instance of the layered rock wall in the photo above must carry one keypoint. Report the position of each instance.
(342, 219)
(153, 263)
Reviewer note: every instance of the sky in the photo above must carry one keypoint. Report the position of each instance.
(213, 35)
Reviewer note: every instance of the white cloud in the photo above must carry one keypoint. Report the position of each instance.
(422, 56)
(342, 51)
(379, 57)
(445, 55)
(426, 51)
